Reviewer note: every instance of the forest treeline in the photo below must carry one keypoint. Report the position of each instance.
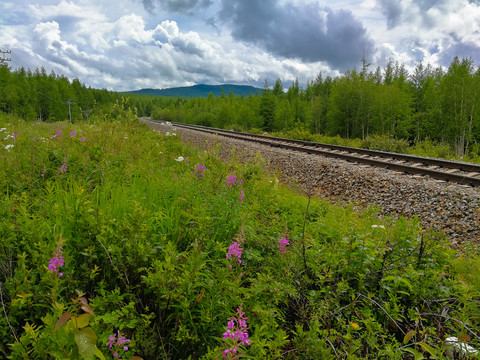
(429, 104)
(441, 106)
(36, 95)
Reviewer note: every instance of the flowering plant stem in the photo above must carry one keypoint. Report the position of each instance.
(303, 239)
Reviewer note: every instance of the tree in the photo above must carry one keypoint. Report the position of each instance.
(267, 108)
(459, 101)
(388, 73)
(278, 88)
(391, 111)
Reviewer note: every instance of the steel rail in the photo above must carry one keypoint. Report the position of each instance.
(352, 155)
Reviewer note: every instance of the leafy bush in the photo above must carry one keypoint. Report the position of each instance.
(431, 149)
(385, 143)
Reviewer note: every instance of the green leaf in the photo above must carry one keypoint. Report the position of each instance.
(57, 354)
(397, 279)
(86, 341)
(429, 349)
(407, 337)
(406, 283)
(99, 354)
(415, 353)
(82, 321)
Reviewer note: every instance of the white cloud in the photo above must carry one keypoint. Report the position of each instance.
(48, 33)
(81, 9)
(431, 30)
(131, 44)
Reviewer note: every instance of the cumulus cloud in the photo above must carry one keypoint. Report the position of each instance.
(434, 30)
(129, 44)
(308, 32)
(179, 6)
(126, 54)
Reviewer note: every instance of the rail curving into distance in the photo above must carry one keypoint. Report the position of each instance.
(450, 171)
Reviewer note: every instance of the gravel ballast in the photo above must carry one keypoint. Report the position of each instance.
(449, 208)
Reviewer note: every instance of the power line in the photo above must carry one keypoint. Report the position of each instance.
(3, 59)
(19, 62)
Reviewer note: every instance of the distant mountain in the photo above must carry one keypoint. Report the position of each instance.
(201, 90)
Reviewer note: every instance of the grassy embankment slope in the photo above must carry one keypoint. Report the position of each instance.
(151, 242)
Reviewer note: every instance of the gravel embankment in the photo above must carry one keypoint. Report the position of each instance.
(454, 209)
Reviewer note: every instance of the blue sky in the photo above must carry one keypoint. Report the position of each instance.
(132, 44)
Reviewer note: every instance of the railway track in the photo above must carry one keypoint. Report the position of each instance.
(444, 170)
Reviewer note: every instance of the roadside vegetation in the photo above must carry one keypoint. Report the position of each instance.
(120, 243)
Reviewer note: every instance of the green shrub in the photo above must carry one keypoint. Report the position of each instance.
(429, 148)
(385, 143)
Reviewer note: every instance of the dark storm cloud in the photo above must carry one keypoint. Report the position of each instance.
(392, 10)
(307, 32)
(179, 6)
(399, 12)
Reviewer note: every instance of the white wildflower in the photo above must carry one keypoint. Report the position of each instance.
(180, 159)
(8, 147)
(378, 226)
(3, 129)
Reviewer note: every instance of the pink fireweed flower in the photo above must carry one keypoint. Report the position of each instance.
(14, 136)
(283, 243)
(62, 169)
(58, 133)
(117, 342)
(236, 335)
(242, 195)
(234, 251)
(199, 171)
(73, 133)
(232, 181)
(56, 261)
(81, 139)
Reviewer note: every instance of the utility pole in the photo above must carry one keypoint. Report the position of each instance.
(3, 59)
(69, 103)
